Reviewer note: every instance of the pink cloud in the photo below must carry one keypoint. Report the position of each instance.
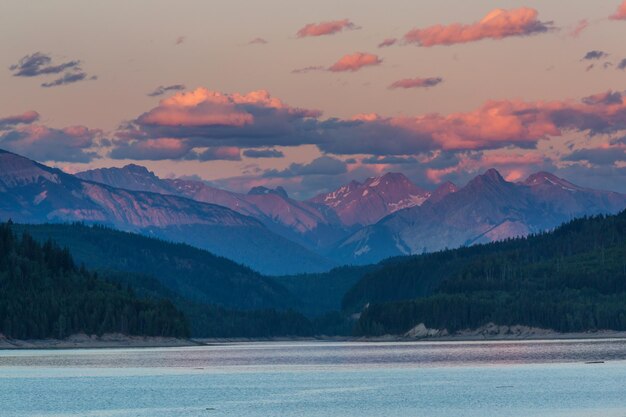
(416, 83)
(580, 27)
(620, 13)
(354, 62)
(70, 144)
(326, 28)
(498, 24)
(24, 118)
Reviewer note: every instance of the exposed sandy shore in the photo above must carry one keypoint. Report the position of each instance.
(420, 333)
(93, 342)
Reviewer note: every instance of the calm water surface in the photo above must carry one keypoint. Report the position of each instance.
(321, 379)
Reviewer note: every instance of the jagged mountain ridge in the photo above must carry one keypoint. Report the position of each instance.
(487, 209)
(368, 202)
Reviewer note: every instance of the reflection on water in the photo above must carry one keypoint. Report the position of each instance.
(315, 379)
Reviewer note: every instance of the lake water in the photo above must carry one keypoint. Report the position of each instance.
(321, 379)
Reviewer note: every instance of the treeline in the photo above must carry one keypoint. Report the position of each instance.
(43, 294)
(572, 279)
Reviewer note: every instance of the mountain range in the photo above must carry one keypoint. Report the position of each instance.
(34, 193)
(267, 230)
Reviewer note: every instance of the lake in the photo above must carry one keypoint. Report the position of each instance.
(315, 379)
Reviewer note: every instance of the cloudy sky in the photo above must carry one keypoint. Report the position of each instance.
(309, 95)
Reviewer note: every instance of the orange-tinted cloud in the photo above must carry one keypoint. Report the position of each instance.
(203, 107)
(186, 124)
(326, 28)
(497, 124)
(416, 83)
(620, 13)
(354, 62)
(498, 24)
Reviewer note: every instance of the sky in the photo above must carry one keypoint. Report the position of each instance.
(310, 95)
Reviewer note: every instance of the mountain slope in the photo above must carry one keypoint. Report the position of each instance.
(298, 221)
(488, 208)
(33, 193)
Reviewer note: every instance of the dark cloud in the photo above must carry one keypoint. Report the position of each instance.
(387, 42)
(594, 55)
(611, 97)
(71, 144)
(373, 137)
(150, 149)
(69, 78)
(416, 83)
(180, 40)
(598, 156)
(308, 69)
(24, 118)
(257, 41)
(324, 165)
(39, 64)
(263, 153)
(622, 65)
(160, 90)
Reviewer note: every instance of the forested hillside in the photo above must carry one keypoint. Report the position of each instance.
(572, 279)
(43, 294)
(218, 297)
(186, 271)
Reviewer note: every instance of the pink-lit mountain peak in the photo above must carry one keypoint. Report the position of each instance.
(367, 202)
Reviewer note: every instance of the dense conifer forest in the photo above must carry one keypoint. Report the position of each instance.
(571, 279)
(44, 294)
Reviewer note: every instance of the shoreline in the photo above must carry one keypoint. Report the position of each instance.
(83, 341)
(108, 341)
